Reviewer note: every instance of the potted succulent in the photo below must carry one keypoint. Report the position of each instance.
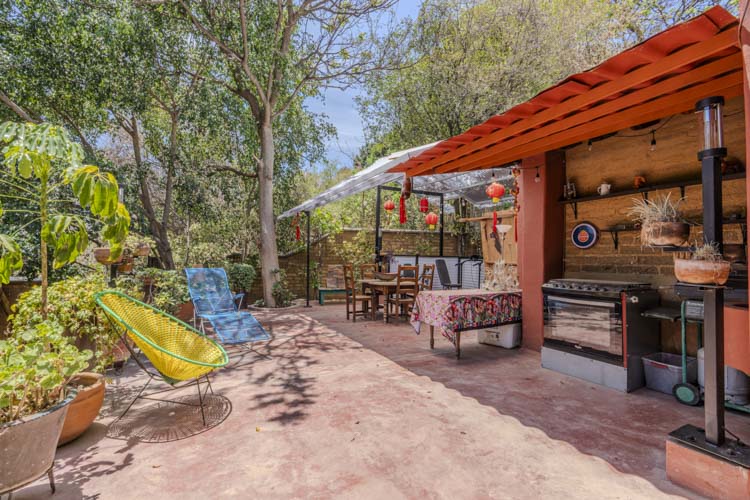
(36, 368)
(704, 266)
(661, 221)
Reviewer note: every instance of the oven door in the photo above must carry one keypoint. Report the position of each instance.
(585, 324)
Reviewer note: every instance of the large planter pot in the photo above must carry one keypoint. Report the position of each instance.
(701, 272)
(27, 446)
(102, 256)
(85, 407)
(185, 312)
(665, 233)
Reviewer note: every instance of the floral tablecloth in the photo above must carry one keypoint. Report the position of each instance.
(452, 311)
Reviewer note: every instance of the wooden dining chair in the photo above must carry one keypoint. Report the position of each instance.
(407, 289)
(427, 277)
(354, 296)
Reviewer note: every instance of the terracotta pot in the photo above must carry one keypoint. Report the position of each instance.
(185, 312)
(102, 256)
(734, 252)
(142, 250)
(126, 266)
(665, 233)
(85, 407)
(701, 272)
(28, 445)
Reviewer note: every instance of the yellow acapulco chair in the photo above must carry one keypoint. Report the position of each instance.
(177, 351)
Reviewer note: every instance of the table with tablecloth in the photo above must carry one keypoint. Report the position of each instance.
(454, 311)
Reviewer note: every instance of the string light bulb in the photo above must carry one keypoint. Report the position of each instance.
(653, 141)
(537, 177)
(590, 145)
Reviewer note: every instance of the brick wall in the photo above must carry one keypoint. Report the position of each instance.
(617, 160)
(397, 241)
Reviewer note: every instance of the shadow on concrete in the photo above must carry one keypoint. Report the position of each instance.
(285, 391)
(626, 430)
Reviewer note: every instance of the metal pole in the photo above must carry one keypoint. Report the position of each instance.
(377, 229)
(442, 219)
(307, 273)
(713, 301)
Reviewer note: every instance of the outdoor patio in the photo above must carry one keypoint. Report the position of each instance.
(342, 409)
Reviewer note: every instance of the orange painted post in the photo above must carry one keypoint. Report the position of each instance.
(540, 237)
(744, 37)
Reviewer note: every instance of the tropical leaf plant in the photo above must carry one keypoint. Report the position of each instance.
(43, 162)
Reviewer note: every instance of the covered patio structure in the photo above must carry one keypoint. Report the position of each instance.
(586, 129)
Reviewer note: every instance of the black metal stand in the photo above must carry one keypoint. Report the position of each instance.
(713, 300)
(307, 272)
(378, 236)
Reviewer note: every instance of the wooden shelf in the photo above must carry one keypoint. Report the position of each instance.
(615, 231)
(681, 183)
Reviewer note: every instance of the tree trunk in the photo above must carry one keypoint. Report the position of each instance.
(158, 230)
(269, 255)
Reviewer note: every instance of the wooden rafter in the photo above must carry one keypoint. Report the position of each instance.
(644, 95)
(640, 77)
(729, 86)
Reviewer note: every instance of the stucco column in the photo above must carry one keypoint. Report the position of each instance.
(541, 237)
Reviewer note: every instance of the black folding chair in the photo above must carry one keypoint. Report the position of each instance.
(445, 277)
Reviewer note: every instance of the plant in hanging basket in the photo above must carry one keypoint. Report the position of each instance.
(705, 266)
(661, 221)
(102, 256)
(126, 265)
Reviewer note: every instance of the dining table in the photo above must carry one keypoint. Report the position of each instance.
(455, 311)
(378, 287)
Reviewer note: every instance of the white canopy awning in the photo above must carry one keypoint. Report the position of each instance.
(468, 185)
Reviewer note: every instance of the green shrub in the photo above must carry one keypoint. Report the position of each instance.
(241, 277)
(281, 293)
(164, 289)
(36, 365)
(71, 305)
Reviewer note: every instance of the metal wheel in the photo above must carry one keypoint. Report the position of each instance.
(687, 394)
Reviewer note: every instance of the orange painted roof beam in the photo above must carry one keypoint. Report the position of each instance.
(665, 87)
(729, 86)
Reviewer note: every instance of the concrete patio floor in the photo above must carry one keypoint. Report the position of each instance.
(364, 410)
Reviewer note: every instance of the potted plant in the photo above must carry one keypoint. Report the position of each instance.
(102, 256)
(36, 367)
(43, 164)
(661, 221)
(704, 266)
(72, 306)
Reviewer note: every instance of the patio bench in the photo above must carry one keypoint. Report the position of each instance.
(334, 283)
(323, 292)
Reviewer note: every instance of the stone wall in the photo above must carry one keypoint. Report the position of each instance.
(398, 241)
(617, 160)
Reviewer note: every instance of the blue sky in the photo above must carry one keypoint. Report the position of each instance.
(342, 111)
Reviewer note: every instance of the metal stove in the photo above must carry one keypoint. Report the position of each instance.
(594, 329)
(595, 287)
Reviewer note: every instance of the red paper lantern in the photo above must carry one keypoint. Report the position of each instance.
(424, 205)
(389, 206)
(495, 191)
(402, 210)
(431, 220)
